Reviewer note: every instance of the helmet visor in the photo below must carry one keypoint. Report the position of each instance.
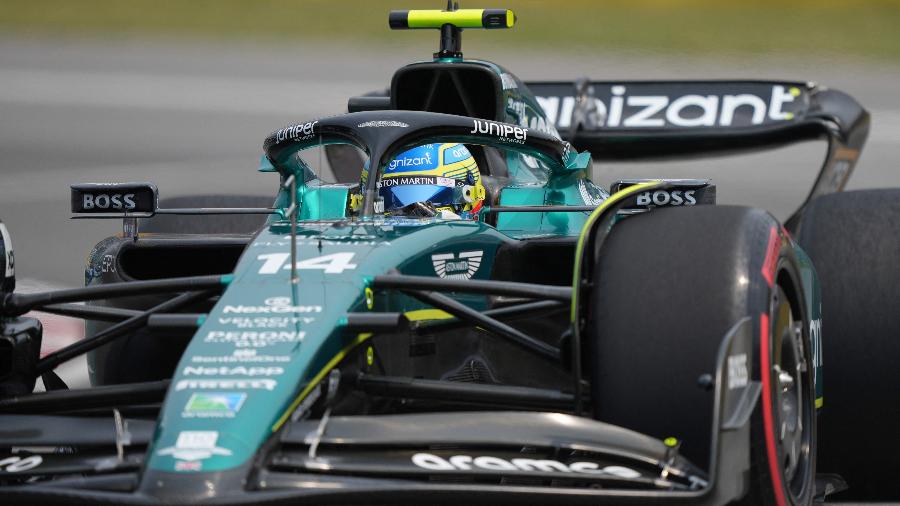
(402, 196)
(399, 192)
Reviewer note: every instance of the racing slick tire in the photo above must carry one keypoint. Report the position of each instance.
(853, 239)
(668, 285)
(210, 224)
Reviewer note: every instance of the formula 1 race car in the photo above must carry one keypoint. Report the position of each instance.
(454, 312)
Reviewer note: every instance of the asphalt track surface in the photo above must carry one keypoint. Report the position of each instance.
(192, 120)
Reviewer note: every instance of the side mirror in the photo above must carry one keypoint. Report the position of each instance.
(685, 192)
(115, 199)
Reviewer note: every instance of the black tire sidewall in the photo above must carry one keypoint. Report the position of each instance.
(668, 286)
(763, 491)
(853, 239)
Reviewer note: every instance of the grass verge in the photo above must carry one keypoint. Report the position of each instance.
(842, 29)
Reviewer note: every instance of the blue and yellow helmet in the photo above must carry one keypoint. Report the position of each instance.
(444, 175)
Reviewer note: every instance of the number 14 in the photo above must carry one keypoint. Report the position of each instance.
(334, 263)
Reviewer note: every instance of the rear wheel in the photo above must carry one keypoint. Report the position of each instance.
(667, 287)
(853, 239)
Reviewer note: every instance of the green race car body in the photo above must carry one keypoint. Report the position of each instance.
(350, 355)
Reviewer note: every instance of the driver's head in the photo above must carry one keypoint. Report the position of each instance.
(445, 176)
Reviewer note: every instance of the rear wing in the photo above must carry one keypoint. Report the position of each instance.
(621, 120)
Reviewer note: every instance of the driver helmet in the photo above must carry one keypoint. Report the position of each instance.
(443, 176)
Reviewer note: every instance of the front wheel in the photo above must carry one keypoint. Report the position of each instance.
(783, 433)
(667, 287)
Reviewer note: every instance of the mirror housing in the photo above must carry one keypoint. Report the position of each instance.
(683, 192)
(115, 199)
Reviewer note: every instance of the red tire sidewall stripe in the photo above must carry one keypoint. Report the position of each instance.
(768, 267)
(765, 368)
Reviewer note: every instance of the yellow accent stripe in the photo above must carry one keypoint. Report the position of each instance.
(819, 402)
(318, 377)
(427, 314)
(462, 18)
(589, 224)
